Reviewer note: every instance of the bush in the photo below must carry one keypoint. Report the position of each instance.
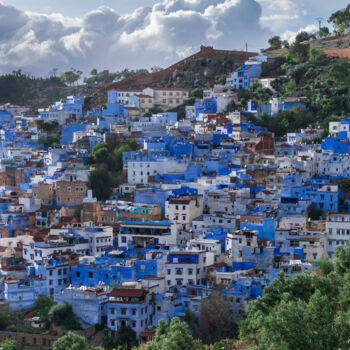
(42, 305)
(9, 344)
(4, 321)
(61, 314)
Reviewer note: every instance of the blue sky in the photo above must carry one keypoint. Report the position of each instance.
(38, 35)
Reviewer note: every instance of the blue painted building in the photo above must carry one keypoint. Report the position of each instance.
(69, 130)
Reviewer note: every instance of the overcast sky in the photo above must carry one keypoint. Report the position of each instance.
(38, 35)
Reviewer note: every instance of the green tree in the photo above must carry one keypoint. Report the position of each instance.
(278, 85)
(313, 212)
(316, 54)
(340, 74)
(285, 44)
(325, 266)
(9, 344)
(196, 92)
(298, 53)
(42, 305)
(61, 314)
(340, 19)
(50, 126)
(174, 337)
(101, 183)
(72, 76)
(302, 36)
(244, 96)
(71, 341)
(262, 95)
(289, 87)
(58, 313)
(126, 336)
(231, 106)
(52, 140)
(5, 321)
(323, 32)
(275, 42)
(99, 146)
(303, 313)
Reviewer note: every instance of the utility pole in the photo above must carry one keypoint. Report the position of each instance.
(319, 19)
(246, 46)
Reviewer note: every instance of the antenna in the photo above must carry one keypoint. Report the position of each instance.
(319, 20)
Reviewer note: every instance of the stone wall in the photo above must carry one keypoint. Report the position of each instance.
(41, 341)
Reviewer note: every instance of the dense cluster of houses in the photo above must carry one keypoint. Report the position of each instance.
(210, 202)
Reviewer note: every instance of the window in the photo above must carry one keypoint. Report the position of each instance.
(133, 311)
(112, 310)
(123, 311)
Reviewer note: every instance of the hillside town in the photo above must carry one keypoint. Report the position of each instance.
(205, 203)
(200, 206)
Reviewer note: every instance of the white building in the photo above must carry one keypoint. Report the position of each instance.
(181, 212)
(187, 268)
(36, 251)
(140, 171)
(337, 232)
(333, 164)
(88, 304)
(237, 240)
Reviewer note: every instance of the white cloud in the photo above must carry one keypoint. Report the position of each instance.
(290, 35)
(160, 35)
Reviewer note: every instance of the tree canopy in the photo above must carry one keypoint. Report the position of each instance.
(175, 337)
(309, 311)
(42, 305)
(340, 19)
(340, 74)
(275, 42)
(9, 344)
(72, 341)
(108, 161)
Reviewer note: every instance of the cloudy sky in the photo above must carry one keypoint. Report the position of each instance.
(38, 35)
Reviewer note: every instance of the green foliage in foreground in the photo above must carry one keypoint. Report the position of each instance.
(61, 314)
(72, 341)
(42, 305)
(9, 344)
(175, 336)
(311, 311)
